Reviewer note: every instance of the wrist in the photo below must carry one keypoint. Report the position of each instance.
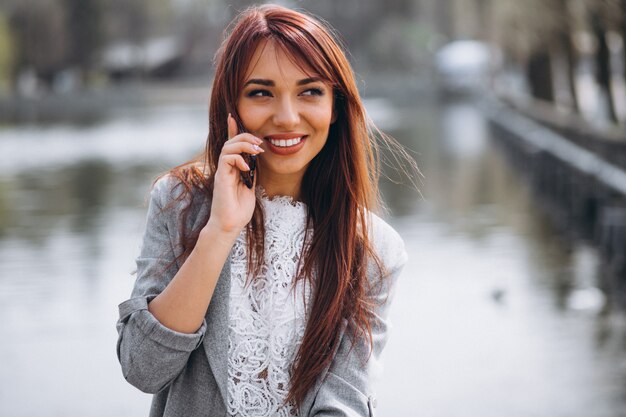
(215, 232)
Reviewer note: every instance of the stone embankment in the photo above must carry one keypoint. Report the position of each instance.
(578, 174)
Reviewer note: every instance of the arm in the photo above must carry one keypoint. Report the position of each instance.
(346, 390)
(163, 322)
(184, 302)
(153, 352)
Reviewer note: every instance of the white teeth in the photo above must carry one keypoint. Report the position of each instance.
(285, 143)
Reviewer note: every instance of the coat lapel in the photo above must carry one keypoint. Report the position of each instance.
(216, 337)
(215, 340)
(309, 399)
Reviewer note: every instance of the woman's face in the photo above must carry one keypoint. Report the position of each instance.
(291, 110)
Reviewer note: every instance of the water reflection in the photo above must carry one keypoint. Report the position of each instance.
(504, 310)
(495, 314)
(34, 201)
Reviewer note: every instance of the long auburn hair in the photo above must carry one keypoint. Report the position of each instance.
(339, 187)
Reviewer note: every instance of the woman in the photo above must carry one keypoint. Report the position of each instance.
(266, 294)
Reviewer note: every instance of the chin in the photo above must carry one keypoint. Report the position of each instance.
(288, 171)
(284, 168)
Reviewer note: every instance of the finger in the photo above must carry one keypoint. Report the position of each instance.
(239, 147)
(235, 161)
(245, 137)
(232, 127)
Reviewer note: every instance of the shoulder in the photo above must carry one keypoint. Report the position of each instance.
(176, 202)
(170, 191)
(387, 243)
(165, 189)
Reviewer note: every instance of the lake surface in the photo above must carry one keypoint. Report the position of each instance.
(494, 315)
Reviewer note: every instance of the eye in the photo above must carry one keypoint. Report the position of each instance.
(313, 92)
(259, 93)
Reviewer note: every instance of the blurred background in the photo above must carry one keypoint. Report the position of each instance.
(512, 303)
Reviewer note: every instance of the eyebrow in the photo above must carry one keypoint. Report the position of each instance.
(270, 83)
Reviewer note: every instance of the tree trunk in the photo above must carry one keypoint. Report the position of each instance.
(84, 25)
(623, 16)
(565, 38)
(603, 63)
(539, 75)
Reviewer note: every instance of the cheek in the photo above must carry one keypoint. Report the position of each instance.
(252, 117)
(321, 116)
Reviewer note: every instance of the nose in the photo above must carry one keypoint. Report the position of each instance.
(286, 114)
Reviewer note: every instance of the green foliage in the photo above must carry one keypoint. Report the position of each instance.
(7, 54)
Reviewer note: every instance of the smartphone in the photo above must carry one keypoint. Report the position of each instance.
(246, 176)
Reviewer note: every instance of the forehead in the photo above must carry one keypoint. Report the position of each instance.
(271, 61)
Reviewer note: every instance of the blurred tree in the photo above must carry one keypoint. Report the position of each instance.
(135, 21)
(133, 27)
(622, 30)
(40, 35)
(539, 32)
(603, 58)
(388, 26)
(365, 23)
(539, 74)
(200, 24)
(527, 31)
(394, 46)
(84, 26)
(613, 17)
(564, 35)
(127, 20)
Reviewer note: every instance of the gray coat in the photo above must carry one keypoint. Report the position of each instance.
(187, 373)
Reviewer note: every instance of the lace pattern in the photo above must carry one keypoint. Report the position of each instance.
(267, 318)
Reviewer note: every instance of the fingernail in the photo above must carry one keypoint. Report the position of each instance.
(258, 148)
(247, 166)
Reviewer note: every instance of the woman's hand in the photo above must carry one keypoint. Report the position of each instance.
(183, 304)
(233, 203)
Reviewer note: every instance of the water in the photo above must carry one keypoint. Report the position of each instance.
(494, 314)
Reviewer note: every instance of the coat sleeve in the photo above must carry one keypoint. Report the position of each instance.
(152, 355)
(346, 390)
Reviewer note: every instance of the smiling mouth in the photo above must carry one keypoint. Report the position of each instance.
(285, 143)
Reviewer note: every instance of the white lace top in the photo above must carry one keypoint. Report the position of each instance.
(267, 318)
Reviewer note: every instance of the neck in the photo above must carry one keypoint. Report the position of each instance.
(283, 185)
